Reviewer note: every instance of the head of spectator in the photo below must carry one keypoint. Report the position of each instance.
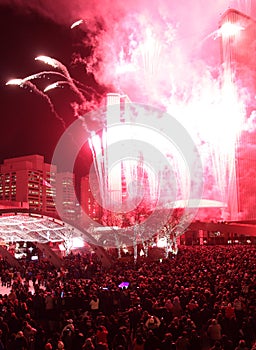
(60, 345)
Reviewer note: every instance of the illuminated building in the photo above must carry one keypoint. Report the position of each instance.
(29, 179)
(67, 204)
(89, 203)
(109, 175)
(238, 32)
(117, 112)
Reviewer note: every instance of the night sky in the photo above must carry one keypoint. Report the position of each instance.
(28, 125)
(32, 28)
(170, 44)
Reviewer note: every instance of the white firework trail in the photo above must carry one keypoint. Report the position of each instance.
(77, 23)
(59, 83)
(43, 75)
(84, 88)
(56, 64)
(55, 85)
(23, 83)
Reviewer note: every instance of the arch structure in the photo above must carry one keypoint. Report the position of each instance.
(28, 226)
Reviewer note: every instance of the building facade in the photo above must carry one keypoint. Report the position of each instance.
(89, 203)
(28, 179)
(66, 199)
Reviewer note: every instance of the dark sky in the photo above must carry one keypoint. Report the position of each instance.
(28, 126)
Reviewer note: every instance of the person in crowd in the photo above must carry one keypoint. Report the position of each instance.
(88, 344)
(102, 335)
(60, 345)
(214, 330)
(168, 343)
(138, 343)
(241, 345)
(153, 322)
(202, 298)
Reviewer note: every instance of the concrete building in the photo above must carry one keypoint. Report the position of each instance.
(28, 179)
(66, 200)
(89, 203)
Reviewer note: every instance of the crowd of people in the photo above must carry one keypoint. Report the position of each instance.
(203, 298)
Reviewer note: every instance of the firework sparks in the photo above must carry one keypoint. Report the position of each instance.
(18, 82)
(54, 85)
(143, 54)
(228, 30)
(26, 83)
(43, 74)
(77, 23)
(48, 60)
(56, 64)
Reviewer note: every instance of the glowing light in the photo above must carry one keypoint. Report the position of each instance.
(48, 60)
(54, 85)
(142, 253)
(24, 83)
(125, 250)
(56, 64)
(77, 23)
(229, 29)
(162, 242)
(151, 52)
(15, 82)
(77, 242)
(62, 248)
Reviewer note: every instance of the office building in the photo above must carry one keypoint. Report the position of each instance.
(89, 203)
(66, 200)
(28, 179)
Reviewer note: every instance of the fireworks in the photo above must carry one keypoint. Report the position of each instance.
(149, 56)
(54, 85)
(26, 83)
(229, 29)
(51, 61)
(18, 82)
(77, 23)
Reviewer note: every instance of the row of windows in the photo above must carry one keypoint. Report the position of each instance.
(34, 192)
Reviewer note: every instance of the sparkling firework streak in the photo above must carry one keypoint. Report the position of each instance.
(23, 83)
(77, 23)
(60, 83)
(56, 64)
(48, 60)
(47, 74)
(228, 30)
(55, 85)
(43, 75)
(18, 82)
